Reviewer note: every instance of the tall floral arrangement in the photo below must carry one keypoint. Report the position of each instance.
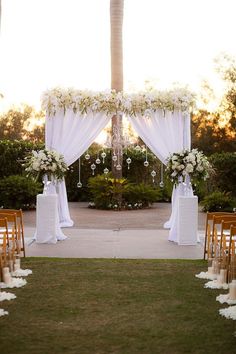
(191, 163)
(45, 162)
(112, 102)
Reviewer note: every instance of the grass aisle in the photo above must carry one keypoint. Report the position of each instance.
(87, 306)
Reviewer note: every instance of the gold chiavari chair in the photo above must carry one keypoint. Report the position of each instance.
(4, 240)
(209, 231)
(20, 227)
(232, 255)
(217, 229)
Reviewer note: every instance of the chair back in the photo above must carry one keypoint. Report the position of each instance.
(19, 226)
(209, 230)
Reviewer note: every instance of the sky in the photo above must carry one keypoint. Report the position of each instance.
(48, 43)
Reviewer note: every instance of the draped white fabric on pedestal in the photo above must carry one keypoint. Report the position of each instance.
(165, 132)
(71, 134)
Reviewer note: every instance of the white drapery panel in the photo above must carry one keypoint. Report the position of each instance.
(71, 134)
(165, 132)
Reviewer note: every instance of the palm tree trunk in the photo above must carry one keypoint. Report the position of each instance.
(116, 20)
(0, 13)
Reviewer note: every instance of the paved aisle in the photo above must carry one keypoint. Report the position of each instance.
(108, 234)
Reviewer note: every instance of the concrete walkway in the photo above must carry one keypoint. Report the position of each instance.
(110, 234)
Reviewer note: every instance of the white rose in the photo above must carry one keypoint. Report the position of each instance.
(36, 166)
(189, 168)
(199, 168)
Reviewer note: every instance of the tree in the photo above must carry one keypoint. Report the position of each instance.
(226, 68)
(19, 124)
(216, 131)
(116, 24)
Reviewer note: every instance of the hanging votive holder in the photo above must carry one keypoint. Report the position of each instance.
(114, 158)
(146, 163)
(105, 171)
(79, 185)
(161, 184)
(128, 161)
(118, 167)
(153, 174)
(103, 155)
(98, 161)
(87, 156)
(93, 167)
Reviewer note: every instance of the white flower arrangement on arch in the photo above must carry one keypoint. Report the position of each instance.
(45, 162)
(191, 163)
(112, 102)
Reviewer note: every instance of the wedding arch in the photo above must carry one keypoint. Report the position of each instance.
(74, 119)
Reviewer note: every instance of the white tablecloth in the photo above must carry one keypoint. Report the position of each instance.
(47, 220)
(185, 222)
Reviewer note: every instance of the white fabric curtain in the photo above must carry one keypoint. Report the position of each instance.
(165, 132)
(71, 134)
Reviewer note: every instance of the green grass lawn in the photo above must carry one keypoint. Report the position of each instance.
(87, 306)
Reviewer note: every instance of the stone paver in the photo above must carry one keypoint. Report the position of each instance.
(111, 234)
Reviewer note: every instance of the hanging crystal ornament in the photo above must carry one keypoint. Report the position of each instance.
(79, 184)
(103, 155)
(146, 163)
(117, 142)
(153, 174)
(98, 161)
(87, 156)
(106, 171)
(128, 160)
(161, 184)
(93, 167)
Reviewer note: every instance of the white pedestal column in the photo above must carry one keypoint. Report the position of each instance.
(187, 221)
(47, 220)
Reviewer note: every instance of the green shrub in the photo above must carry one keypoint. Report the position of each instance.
(12, 152)
(218, 201)
(106, 191)
(141, 194)
(18, 192)
(109, 193)
(225, 172)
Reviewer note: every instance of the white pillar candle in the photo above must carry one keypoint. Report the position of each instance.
(16, 266)
(221, 277)
(5, 270)
(7, 279)
(11, 265)
(210, 270)
(232, 290)
(17, 261)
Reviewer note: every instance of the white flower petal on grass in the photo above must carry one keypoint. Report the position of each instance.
(224, 298)
(22, 273)
(206, 275)
(213, 284)
(6, 296)
(16, 283)
(229, 312)
(3, 312)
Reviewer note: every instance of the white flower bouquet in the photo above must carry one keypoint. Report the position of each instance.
(45, 162)
(112, 102)
(191, 163)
